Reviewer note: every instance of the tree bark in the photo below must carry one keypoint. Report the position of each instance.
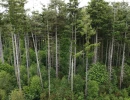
(75, 39)
(56, 54)
(123, 61)
(14, 56)
(72, 74)
(70, 62)
(106, 53)
(110, 59)
(37, 59)
(17, 60)
(95, 49)
(1, 49)
(49, 63)
(27, 55)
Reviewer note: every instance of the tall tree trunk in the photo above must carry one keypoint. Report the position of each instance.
(37, 59)
(95, 49)
(14, 56)
(106, 53)
(111, 56)
(1, 49)
(117, 54)
(75, 39)
(17, 60)
(70, 62)
(27, 55)
(56, 54)
(123, 61)
(72, 74)
(49, 63)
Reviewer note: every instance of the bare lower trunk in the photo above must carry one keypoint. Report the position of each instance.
(110, 59)
(95, 49)
(56, 55)
(49, 63)
(122, 65)
(14, 56)
(117, 55)
(17, 60)
(1, 50)
(106, 53)
(27, 54)
(75, 39)
(37, 59)
(70, 56)
(72, 72)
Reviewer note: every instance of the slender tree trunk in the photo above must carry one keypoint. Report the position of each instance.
(49, 63)
(106, 53)
(37, 59)
(1, 50)
(14, 56)
(70, 62)
(17, 60)
(122, 65)
(95, 49)
(56, 54)
(117, 54)
(72, 74)
(110, 59)
(75, 39)
(27, 55)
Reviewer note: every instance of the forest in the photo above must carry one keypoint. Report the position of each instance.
(66, 52)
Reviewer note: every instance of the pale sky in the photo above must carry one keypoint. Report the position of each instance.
(36, 4)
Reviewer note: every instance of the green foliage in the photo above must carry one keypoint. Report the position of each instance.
(78, 84)
(6, 67)
(93, 89)
(98, 72)
(6, 81)
(16, 95)
(3, 94)
(33, 91)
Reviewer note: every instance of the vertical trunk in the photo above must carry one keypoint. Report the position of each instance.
(27, 54)
(95, 49)
(72, 71)
(49, 63)
(75, 39)
(14, 56)
(37, 59)
(110, 59)
(19, 50)
(106, 53)
(117, 54)
(70, 56)
(120, 52)
(1, 50)
(17, 60)
(111, 50)
(102, 52)
(122, 65)
(56, 54)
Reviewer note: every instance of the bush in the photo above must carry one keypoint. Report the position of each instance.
(98, 73)
(2, 94)
(93, 89)
(16, 95)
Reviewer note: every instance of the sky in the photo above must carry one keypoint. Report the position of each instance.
(36, 4)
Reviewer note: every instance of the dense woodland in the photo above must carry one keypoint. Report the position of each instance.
(65, 52)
